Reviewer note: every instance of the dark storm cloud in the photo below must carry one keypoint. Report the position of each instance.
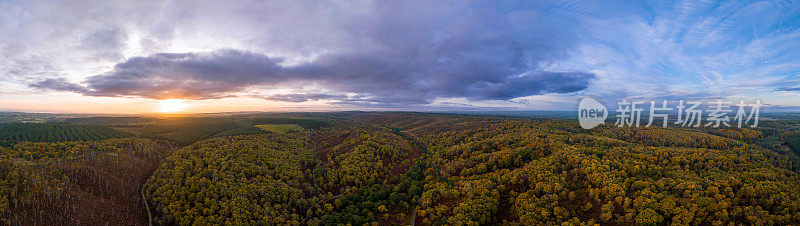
(222, 73)
(59, 84)
(533, 84)
(396, 53)
(187, 75)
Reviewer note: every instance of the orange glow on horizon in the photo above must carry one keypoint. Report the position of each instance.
(171, 106)
(69, 103)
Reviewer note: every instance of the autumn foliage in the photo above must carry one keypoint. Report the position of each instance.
(398, 168)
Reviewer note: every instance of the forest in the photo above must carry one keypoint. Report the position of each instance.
(56, 132)
(395, 168)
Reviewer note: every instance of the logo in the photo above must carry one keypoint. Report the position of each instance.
(591, 113)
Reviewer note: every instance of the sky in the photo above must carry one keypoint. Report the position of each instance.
(227, 56)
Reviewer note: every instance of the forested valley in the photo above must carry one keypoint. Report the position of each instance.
(394, 168)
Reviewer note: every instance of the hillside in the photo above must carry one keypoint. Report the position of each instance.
(56, 132)
(79, 182)
(397, 168)
(450, 169)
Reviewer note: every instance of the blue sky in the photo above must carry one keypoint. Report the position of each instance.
(735, 50)
(133, 56)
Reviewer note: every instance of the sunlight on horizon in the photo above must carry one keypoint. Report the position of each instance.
(171, 106)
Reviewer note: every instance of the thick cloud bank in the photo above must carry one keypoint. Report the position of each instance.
(381, 53)
(376, 79)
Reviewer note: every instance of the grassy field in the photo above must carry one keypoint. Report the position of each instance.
(280, 128)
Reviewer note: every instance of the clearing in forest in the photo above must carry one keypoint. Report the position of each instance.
(280, 128)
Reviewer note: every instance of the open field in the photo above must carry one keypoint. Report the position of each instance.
(280, 128)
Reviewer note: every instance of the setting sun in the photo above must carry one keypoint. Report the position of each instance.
(332, 112)
(171, 106)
